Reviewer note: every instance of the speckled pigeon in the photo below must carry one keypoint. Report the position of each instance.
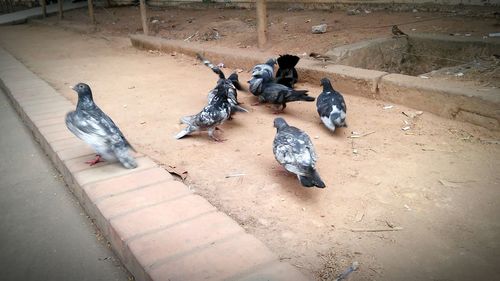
(294, 150)
(231, 85)
(261, 73)
(212, 115)
(93, 126)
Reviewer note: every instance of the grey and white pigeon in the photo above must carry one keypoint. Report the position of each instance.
(331, 106)
(294, 150)
(89, 123)
(287, 74)
(261, 73)
(231, 84)
(280, 95)
(212, 115)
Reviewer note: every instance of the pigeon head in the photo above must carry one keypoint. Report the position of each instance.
(82, 89)
(271, 62)
(327, 85)
(280, 123)
(325, 81)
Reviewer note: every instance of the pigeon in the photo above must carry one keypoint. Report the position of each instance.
(93, 126)
(231, 84)
(287, 74)
(294, 150)
(212, 115)
(397, 32)
(280, 94)
(261, 73)
(331, 106)
(319, 56)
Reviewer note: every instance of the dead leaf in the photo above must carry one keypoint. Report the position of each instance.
(449, 184)
(179, 171)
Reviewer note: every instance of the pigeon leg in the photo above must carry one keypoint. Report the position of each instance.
(256, 103)
(278, 110)
(211, 134)
(219, 129)
(96, 160)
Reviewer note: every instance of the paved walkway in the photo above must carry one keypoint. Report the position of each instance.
(44, 234)
(22, 16)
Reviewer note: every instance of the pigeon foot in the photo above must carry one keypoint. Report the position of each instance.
(96, 160)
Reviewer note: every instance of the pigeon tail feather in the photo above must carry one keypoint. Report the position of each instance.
(299, 95)
(288, 61)
(211, 66)
(123, 155)
(239, 108)
(186, 131)
(313, 180)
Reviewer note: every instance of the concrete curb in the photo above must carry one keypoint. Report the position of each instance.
(451, 100)
(158, 228)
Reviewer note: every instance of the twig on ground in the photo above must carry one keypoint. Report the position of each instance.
(234, 175)
(187, 39)
(355, 136)
(396, 228)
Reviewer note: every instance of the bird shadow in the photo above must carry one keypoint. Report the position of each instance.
(291, 185)
(339, 132)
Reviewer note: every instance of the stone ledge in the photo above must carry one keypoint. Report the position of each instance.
(444, 98)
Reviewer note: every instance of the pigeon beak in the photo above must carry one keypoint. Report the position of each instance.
(72, 88)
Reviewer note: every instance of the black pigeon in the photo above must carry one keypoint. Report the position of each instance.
(94, 127)
(287, 74)
(280, 94)
(212, 115)
(397, 32)
(294, 150)
(331, 106)
(261, 74)
(231, 84)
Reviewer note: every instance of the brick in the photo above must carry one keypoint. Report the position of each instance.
(217, 261)
(75, 152)
(277, 271)
(181, 238)
(40, 100)
(61, 126)
(159, 216)
(18, 74)
(78, 164)
(53, 107)
(59, 145)
(142, 197)
(60, 135)
(44, 116)
(48, 122)
(112, 170)
(25, 86)
(125, 183)
(40, 95)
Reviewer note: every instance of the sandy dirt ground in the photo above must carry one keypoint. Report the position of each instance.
(289, 31)
(439, 181)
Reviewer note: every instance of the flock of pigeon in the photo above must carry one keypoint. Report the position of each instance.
(292, 147)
